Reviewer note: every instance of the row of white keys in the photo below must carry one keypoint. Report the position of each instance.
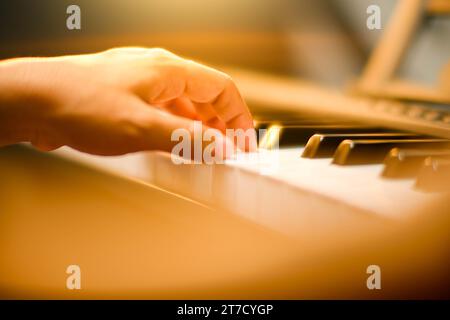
(301, 194)
(298, 195)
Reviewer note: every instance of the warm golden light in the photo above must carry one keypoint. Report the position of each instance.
(271, 138)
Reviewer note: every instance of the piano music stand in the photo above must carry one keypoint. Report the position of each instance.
(377, 77)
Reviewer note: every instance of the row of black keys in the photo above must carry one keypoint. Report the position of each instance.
(405, 155)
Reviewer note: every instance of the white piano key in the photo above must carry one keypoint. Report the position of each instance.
(133, 165)
(201, 182)
(164, 171)
(272, 196)
(247, 194)
(224, 186)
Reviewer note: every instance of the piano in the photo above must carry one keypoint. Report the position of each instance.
(372, 155)
(375, 156)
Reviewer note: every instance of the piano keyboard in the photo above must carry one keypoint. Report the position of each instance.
(327, 176)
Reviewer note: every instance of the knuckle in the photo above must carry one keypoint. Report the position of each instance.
(162, 53)
(229, 83)
(111, 51)
(227, 78)
(123, 50)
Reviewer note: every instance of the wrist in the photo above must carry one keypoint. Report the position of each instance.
(24, 100)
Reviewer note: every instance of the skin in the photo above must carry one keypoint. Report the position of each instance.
(114, 102)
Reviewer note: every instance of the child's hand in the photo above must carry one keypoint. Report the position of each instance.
(110, 103)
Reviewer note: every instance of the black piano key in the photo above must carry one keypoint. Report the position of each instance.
(324, 145)
(351, 152)
(264, 124)
(434, 176)
(298, 135)
(308, 123)
(406, 163)
(267, 119)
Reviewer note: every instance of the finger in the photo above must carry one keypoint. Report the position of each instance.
(163, 126)
(208, 115)
(208, 87)
(46, 141)
(217, 124)
(181, 107)
(173, 77)
(227, 105)
(47, 146)
(215, 95)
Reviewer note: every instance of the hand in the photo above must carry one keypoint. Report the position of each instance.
(114, 102)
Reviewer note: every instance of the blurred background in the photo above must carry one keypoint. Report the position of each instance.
(322, 40)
